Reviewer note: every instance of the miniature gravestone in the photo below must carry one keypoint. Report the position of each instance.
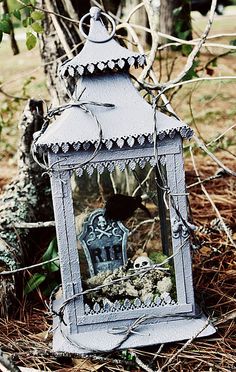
(104, 242)
(108, 124)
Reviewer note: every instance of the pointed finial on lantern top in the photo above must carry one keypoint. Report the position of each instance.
(101, 52)
(95, 12)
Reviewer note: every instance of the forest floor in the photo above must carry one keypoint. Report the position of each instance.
(28, 341)
(210, 110)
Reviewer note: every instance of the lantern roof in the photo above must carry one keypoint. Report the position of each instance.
(130, 120)
(106, 107)
(100, 52)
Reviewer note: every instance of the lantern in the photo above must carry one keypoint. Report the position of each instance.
(108, 124)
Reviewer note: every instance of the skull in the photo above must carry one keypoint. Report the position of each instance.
(142, 262)
(102, 223)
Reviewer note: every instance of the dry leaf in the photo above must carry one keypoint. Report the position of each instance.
(205, 251)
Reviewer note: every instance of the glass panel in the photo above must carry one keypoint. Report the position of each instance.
(124, 260)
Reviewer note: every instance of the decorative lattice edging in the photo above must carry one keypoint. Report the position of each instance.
(127, 304)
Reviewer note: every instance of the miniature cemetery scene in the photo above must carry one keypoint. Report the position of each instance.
(120, 289)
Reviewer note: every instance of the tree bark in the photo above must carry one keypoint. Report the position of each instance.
(175, 19)
(27, 198)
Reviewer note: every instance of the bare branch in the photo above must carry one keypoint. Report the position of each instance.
(33, 225)
(193, 42)
(197, 47)
(11, 272)
(213, 157)
(143, 223)
(59, 30)
(134, 10)
(230, 77)
(221, 135)
(192, 55)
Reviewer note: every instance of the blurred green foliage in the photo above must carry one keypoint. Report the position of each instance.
(22, 15)
(48, 275)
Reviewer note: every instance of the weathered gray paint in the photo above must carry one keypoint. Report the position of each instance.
(67, 242)
(130, 118)
(182, 261)
(93, 58)
(157, 331)
(127, 140)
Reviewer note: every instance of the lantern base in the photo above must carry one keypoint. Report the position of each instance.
(100, 341)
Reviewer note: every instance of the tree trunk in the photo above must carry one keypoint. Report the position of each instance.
(27, 199)
(175, 18)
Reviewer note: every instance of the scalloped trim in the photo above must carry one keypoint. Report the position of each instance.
(121, 164)
(130, 141)
(112, 65)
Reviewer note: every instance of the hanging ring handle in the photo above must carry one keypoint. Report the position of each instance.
(96, 13)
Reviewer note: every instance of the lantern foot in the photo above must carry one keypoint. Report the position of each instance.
(106, 340)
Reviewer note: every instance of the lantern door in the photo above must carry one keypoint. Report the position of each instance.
(92, 313)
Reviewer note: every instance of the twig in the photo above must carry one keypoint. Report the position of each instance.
(134, 10)
(11, 272)
(157, 353)
(33, 225)
(13, 97)
(14, 45)
(221, 135)
(230, 77)
(231, 315)
(184, 346)
(213, 157)
(179, 41)
(130, 29)
(206, 45)
(143, 182)
(113, 183)
(192, 55)
(140, 363)
(211, 178)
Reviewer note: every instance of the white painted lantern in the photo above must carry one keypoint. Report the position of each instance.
(108, 124)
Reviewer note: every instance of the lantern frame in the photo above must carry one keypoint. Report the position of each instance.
(71, 145)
